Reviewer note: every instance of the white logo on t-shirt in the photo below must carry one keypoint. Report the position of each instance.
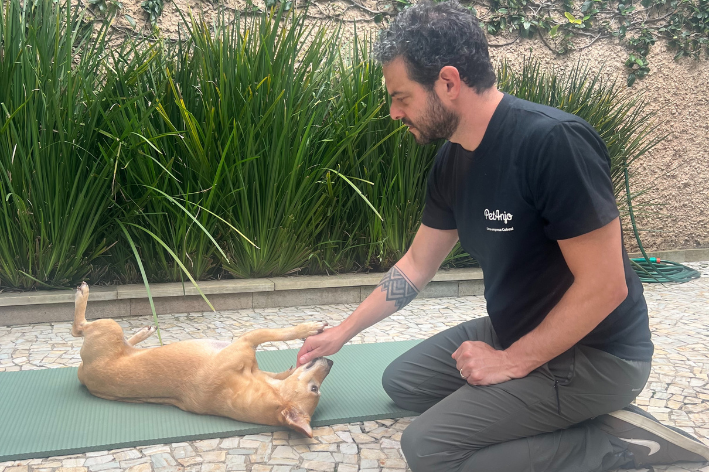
(497, 216)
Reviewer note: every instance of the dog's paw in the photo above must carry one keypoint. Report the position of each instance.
(141, 335)
(314, 328)
(146, 331)
(82, 291)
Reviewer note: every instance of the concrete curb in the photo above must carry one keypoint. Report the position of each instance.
(679, 255)
(132, 300)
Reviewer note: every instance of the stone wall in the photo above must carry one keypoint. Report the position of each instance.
(676, 171)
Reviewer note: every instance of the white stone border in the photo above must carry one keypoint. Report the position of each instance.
(132, 300)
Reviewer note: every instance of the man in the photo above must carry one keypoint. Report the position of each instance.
(527, 190)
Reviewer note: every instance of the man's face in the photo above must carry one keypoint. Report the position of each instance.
(420, 109)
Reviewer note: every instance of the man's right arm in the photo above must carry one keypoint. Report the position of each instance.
(400, 285)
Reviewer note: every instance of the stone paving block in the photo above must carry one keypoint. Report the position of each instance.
(98, 460)
(319, 466)
(163, 459)
(134, 462)
(106, 466)
(145, 467)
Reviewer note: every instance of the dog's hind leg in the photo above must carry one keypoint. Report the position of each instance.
(260, 336)
(141, 335)
(80, 300)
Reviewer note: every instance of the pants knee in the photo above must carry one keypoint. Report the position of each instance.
(411, 442)
(425, 451)
(424, 454)
(390, 384)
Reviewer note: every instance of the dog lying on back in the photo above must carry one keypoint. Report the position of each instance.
(202, 376)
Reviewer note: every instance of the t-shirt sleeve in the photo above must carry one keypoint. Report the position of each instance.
(437, 212)
(571, 182)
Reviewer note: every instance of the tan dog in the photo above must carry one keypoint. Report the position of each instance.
(202, 376)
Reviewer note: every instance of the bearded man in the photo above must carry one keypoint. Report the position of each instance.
(546, 381)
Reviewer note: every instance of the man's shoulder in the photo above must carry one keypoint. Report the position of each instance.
(539, 120)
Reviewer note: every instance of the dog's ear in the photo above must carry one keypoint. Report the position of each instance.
(298, 420)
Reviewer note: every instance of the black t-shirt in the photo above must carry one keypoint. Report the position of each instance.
(539, 175)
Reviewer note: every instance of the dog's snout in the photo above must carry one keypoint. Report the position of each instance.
(319, 359)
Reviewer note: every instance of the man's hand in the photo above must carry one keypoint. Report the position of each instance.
(324, 344)
(481, 364)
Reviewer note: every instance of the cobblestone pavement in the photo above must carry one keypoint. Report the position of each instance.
(677, 392)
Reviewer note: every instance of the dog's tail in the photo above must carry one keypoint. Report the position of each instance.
(80, 301)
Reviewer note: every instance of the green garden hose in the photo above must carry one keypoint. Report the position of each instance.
(652, 269)
(663, 271)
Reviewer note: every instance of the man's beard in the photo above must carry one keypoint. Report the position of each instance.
(437, 122)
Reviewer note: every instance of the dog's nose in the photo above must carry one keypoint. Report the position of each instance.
(329, 362)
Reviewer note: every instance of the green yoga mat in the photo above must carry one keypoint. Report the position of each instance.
(47, 412)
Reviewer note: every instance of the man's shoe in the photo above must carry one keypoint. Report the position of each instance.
(651, 442)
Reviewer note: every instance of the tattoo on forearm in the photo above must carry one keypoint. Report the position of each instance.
(398, 288)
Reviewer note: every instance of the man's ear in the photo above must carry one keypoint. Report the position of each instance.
(298, 420)
(451, 80)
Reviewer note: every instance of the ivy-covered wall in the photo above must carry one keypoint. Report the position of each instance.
(658, 48)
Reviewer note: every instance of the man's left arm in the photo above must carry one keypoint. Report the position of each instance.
(596, 262)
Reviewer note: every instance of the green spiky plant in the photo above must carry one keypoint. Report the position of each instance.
(243, 150)
(54, 188)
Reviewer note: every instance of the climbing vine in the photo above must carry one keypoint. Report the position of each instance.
(153, 8)
(562, 25)
(107, 8)
(565, 25)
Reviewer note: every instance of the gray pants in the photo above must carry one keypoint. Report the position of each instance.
(542, 422)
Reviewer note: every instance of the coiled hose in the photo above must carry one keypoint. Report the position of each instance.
(652, 269)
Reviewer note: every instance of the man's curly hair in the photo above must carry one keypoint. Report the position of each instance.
(429, 36)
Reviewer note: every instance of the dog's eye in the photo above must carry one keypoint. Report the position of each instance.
(314, 388)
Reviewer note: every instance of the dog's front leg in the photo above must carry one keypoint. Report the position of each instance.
(241, 353)
(260, 336)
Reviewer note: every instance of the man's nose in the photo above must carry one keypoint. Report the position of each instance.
(395, 113)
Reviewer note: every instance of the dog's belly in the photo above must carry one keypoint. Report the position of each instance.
(211, 344)
(174, 374)
(199, 392)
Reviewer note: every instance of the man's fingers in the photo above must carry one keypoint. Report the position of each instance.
(308, 356)
(308, 353)
(302, 355)
(455, 354)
